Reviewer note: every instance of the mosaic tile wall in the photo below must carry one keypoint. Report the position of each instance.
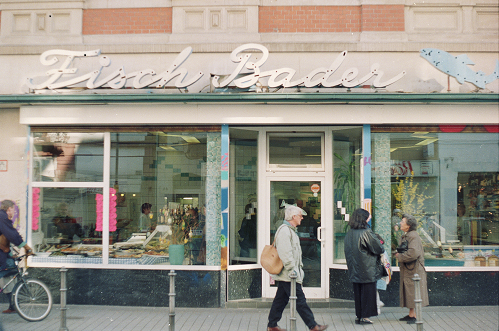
(382, 187)
(213, 211)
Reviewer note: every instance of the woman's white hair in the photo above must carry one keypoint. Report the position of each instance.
(292, 211)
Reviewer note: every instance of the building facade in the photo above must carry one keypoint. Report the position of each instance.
(134, 130)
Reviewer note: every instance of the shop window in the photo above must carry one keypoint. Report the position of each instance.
(450, 183)
(347, 154)
(65, 225)
(160, 183)
(164, 189)
(68, 157)
(243, 199)
(295, 151)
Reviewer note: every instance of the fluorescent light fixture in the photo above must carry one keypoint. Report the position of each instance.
(187, 198)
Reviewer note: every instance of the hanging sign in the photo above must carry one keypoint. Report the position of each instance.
(67, 74)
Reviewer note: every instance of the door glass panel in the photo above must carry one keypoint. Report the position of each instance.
(300, 193)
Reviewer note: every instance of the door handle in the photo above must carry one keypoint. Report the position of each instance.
(319, 233)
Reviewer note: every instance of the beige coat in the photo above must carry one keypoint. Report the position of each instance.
(412, 263)
(288, 247)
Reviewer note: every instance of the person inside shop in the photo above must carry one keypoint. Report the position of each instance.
(247, 232)
(308, 226)
(145, 217)
(362, 252)
(410, 254)
(65, 224)
(8, 235)
(195, 231)
(288, 247)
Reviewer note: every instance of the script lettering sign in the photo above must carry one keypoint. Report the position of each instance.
(67, 75)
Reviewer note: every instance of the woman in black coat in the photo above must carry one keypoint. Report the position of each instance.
(362, 252)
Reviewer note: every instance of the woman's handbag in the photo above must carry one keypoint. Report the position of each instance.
(404, 246)
(270, 260)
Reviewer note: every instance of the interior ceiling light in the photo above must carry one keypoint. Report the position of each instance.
(189, 139)
(426, 142)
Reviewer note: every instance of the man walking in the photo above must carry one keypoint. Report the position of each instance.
(288, 246)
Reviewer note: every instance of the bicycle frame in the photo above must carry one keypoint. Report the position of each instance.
(19, 275)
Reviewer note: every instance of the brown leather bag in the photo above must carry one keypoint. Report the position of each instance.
(270, 259)
(4, 244)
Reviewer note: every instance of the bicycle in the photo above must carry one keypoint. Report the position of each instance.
(32, 298)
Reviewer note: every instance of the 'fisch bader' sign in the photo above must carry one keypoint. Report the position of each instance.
(66, 75)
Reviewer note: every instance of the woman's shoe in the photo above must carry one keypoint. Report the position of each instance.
(412, 320)
(365, 321)
(357, 321)
(405, 318)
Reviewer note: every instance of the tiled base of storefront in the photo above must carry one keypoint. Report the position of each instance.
(451, 288)
(133, 287)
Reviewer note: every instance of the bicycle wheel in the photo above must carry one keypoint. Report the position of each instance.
(33, 300)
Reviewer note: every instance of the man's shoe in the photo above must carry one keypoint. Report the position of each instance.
(8, 311)
(412, 320)
(405, 318)
(275, 328)
(319, 328)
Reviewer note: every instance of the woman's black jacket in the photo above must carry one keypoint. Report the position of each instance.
(362, 252)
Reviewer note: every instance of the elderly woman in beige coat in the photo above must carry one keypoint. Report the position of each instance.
(411, 263)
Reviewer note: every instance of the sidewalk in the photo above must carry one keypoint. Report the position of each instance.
(480, 318)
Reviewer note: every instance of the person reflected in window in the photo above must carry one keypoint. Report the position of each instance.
(66, 224)
(247, 232)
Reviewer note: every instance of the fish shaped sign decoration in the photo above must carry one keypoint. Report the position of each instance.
(457, 67)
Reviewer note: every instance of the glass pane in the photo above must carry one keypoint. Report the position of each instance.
(243, 185)
(160, 180)
(68, 157)
(65, 224)
(295, 150)
(450, 183)
(347, 153)
(300, 193)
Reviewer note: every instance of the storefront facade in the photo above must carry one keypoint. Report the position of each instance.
(122, 164)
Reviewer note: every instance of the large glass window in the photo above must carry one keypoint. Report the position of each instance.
(450, 183)
(243, 201)
(163, 187)
(67, 222)
(68, 157)
(347, 154)
(292, 151)
(159, 178)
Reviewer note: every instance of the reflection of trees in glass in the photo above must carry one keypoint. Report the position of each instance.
(346, 177)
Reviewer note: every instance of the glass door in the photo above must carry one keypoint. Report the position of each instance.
(306, 193)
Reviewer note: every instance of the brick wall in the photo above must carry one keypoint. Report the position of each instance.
(127, 21)
(331, 18)
(383, 18)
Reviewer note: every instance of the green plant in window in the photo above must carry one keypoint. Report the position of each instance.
(346, 179)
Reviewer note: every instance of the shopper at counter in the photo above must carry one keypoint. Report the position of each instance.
(412, 262)
(12, 236)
